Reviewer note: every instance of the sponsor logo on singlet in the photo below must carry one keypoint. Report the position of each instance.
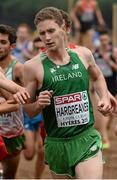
(72, 109)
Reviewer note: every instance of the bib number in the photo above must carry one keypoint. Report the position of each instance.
(72, 109)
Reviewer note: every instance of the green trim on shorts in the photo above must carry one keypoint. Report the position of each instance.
(15, 144)
(63, 154)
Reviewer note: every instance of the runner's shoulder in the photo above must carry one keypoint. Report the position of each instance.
(82, 51)
(33, 64)
(33, 61)
(84, 54)
(18, 65)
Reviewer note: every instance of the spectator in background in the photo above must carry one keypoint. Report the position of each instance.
(83, 16)
(23, 50)
(38, 46)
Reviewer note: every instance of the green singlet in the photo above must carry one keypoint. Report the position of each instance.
(70, 112)
(69, 119)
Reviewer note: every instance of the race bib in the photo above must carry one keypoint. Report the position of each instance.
(72, 109)
(6, 120)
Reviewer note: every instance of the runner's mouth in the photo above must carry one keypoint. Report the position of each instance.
(49, 44)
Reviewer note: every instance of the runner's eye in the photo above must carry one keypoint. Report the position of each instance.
(42, 33)
(51, 30)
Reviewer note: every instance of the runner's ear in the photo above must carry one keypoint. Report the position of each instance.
(13, 46)
(64, 27)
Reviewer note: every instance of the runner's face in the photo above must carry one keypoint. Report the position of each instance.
(38, 47)
(104, 40)
(23, 33)
(5, 47)
(51, 34)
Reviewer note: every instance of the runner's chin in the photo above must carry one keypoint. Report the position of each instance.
(51, 47)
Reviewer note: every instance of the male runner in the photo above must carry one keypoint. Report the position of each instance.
(11, 128)
(62, 77)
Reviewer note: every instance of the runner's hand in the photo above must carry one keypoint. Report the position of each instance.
(44, 98)
(21, 96)
(104, 106)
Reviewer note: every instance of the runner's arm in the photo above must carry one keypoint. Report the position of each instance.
(34, 106)
(8, 106)
(75, 10)
(21, 95)
(31, 86)
(100, 86)
(99, 14)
